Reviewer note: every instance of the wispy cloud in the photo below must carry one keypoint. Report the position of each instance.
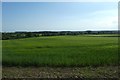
(105, 19)
(109, 12)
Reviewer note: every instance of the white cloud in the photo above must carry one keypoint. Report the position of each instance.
(103, 20)
(99, 20)
(105, 12)
(108, 23)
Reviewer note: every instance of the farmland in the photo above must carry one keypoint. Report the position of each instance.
(61, 51)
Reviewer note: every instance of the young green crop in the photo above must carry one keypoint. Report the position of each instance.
(65, 51)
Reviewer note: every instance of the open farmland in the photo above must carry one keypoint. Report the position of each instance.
(61, 51)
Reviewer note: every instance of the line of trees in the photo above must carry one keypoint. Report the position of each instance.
(18, 35)
(6, 36)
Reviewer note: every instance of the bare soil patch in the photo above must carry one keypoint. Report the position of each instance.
(60, 72)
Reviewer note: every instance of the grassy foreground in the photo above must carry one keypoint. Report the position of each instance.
(63, 51)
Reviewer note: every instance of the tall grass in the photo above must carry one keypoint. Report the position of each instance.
(65, 51)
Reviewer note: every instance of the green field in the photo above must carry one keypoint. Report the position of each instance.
(63, 51)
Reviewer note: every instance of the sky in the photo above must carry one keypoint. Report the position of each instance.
(59, 16)
(60, 0)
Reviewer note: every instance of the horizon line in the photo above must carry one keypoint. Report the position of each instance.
(55, 31)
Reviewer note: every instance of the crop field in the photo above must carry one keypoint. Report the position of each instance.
(61, 51)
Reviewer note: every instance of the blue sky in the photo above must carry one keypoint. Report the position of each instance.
(59, 16)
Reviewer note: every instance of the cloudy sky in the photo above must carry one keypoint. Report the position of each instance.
(59, 16)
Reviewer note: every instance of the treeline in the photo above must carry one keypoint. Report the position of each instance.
(18, 35)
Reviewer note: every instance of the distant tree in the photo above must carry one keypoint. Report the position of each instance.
(89, 31)
(28, 34)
